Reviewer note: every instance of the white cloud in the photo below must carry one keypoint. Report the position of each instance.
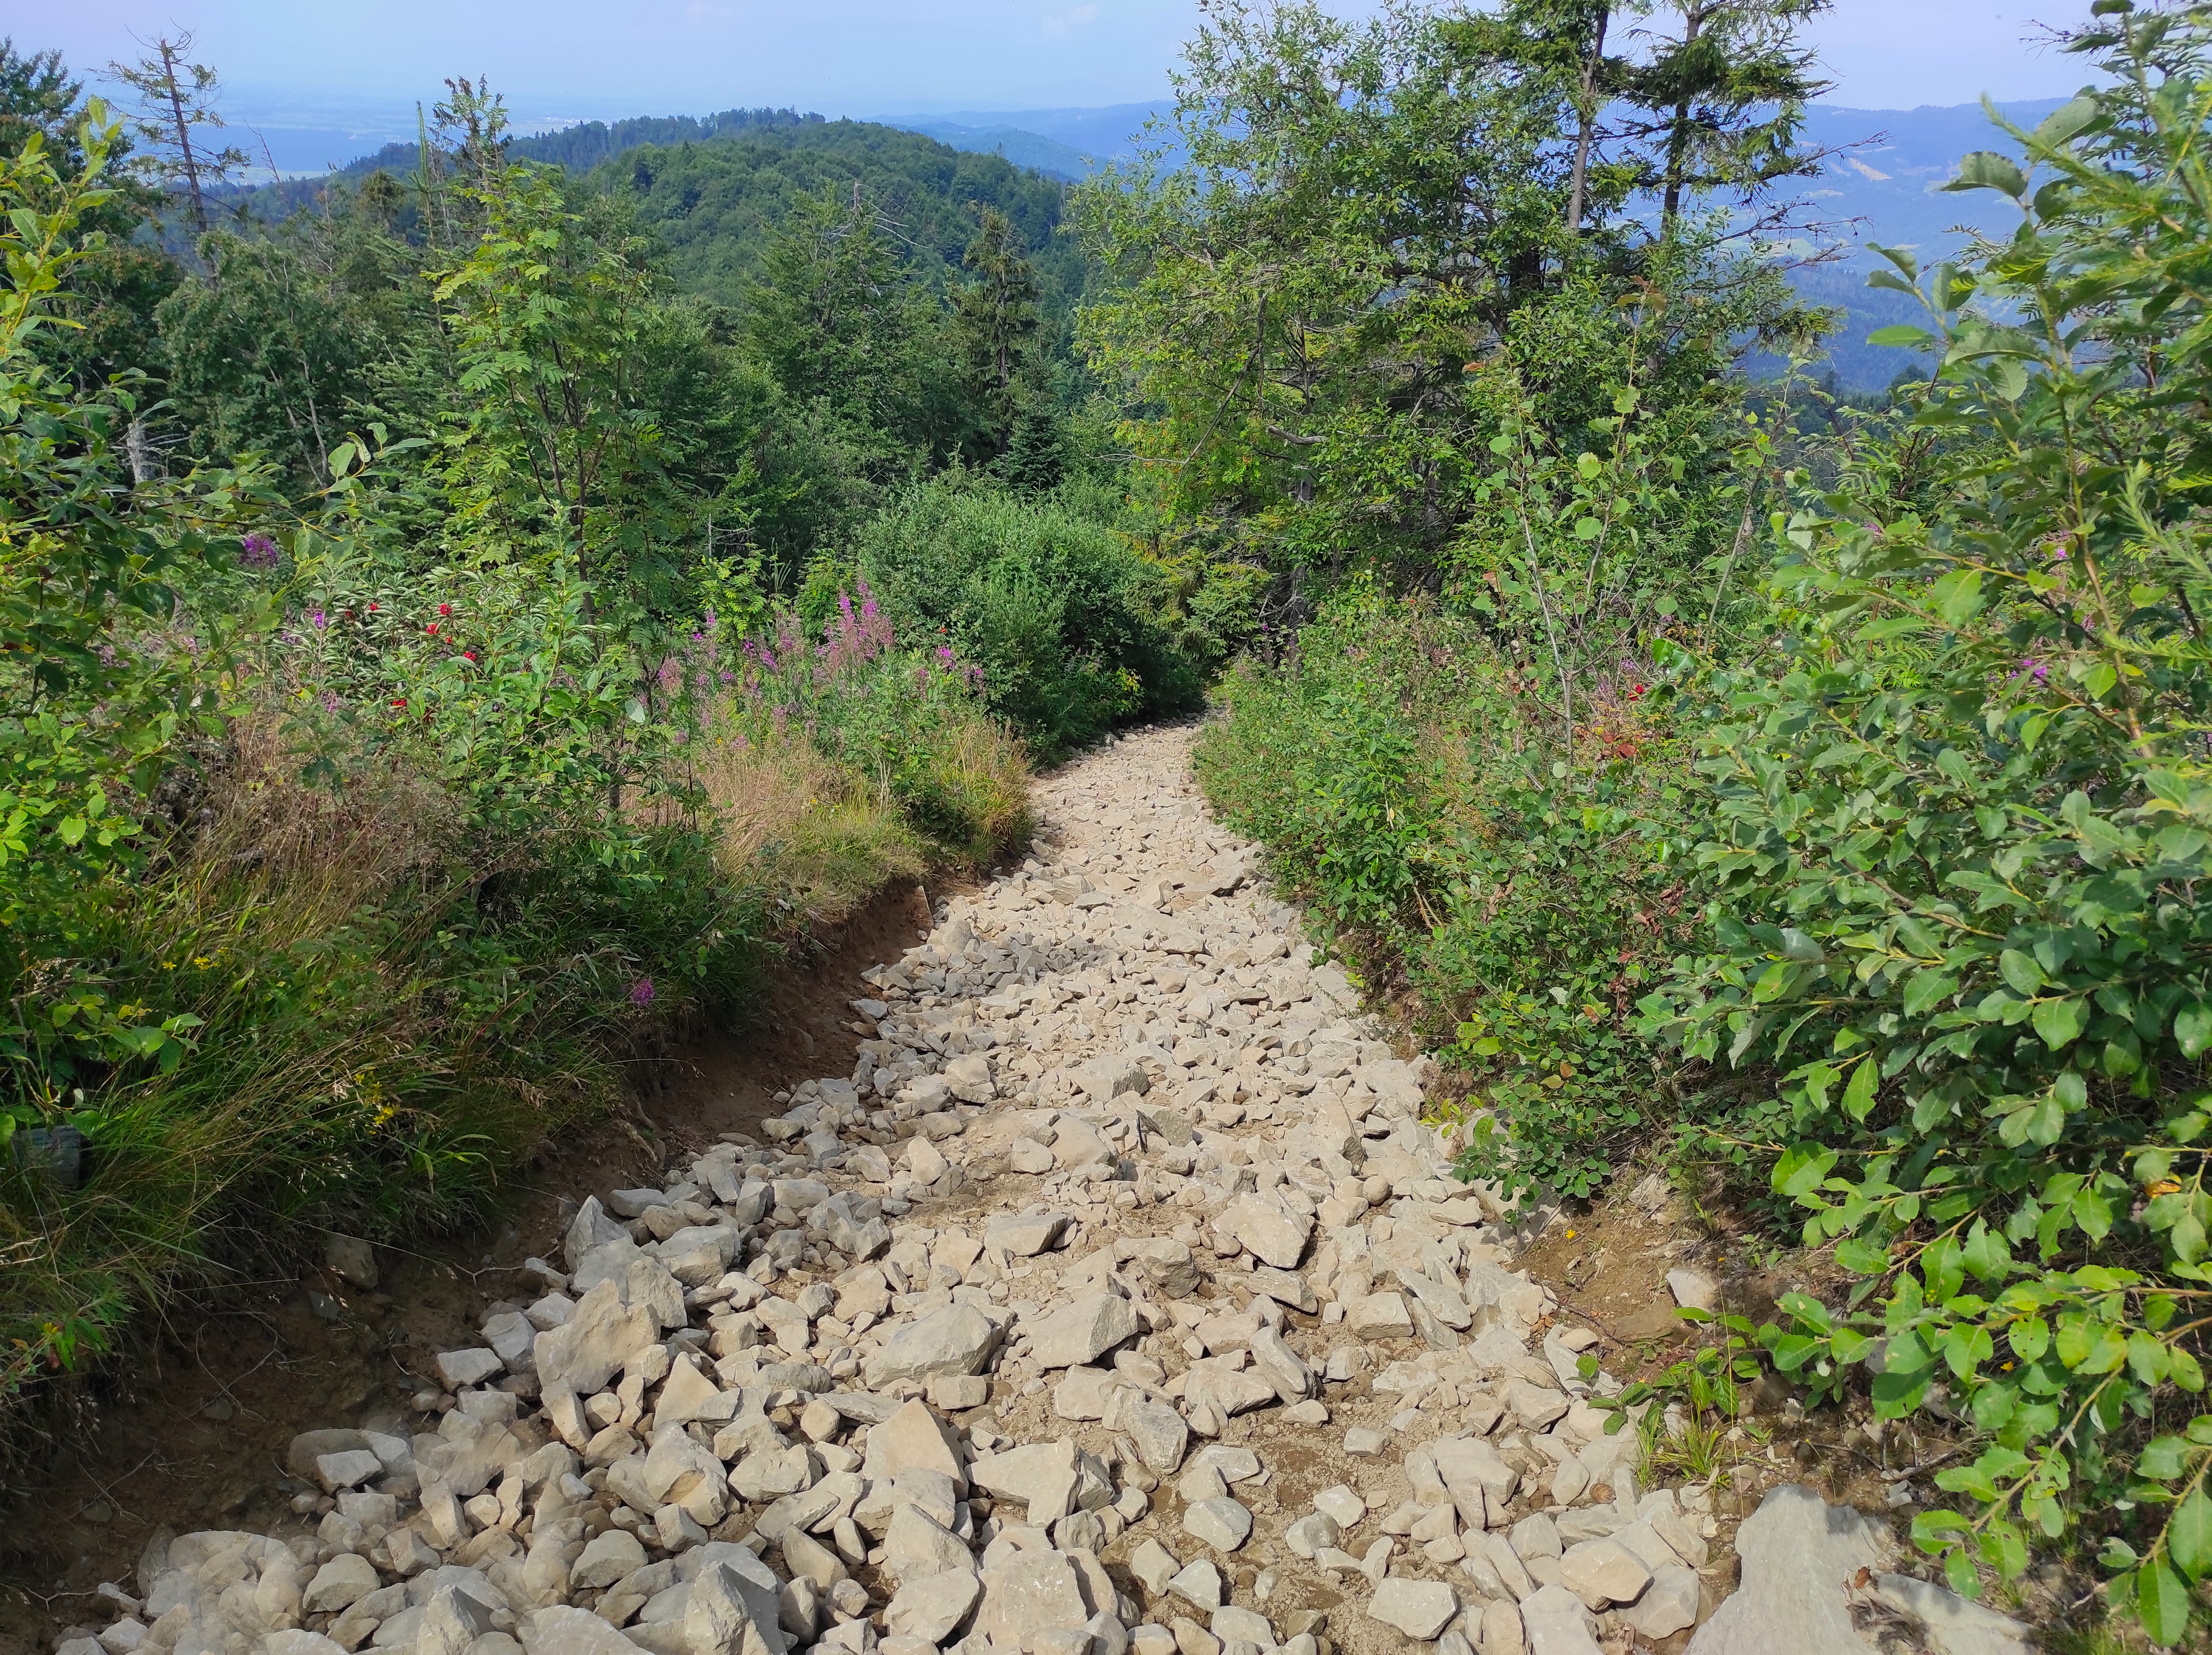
(1081, 17)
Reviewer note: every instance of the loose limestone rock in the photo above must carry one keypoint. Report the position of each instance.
(957, 1339)
(932, 1605)
(1084, 1331)
(1221, 1523)
(1554, 1621)
(1268, 1230)
(1030, 1592)
(1419, 1608)
(1798, 1552)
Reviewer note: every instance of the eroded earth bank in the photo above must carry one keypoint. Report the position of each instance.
(1119, 1298)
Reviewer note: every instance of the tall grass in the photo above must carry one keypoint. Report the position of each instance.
(394, 1012)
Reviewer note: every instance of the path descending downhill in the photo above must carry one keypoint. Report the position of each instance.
(1119, 1298)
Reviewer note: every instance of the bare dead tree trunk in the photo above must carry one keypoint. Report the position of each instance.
(168, 50)
(138, 448)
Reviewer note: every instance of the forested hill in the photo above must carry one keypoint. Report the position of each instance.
(711, 204)
(576, 147)
(710, 188)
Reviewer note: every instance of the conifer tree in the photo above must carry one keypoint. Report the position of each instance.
(1720, 101)
(995, 325)
(174, 98)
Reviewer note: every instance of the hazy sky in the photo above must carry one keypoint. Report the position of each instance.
(285, 59)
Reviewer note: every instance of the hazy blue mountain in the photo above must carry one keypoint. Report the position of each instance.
(1048, 155)
(1070, 144)
(1889, 188)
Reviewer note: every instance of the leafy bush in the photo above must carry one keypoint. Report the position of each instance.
(1954, 840)
(1387, 765)
(1074, 630)
(908, 723)
(334, 880)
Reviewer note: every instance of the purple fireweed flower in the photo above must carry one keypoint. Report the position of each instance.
(331, 702)
(318, 621)
(258, 552)
(640, 991)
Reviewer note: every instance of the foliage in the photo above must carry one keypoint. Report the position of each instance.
(107, 299)
(1394, 767)
(1955, 825)
(907, 721)
(1324, 320)
(714, 205)
(1073, 629)
(118, 620)
(352, 835)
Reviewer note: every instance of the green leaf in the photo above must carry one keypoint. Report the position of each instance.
(1958, 595)
(2188, 1535)
(2021, 971)
(2162, 1601)
(2192, 1028)
(2056, 1022)
(1588, 528)
(1984, 169)
(1959, 1569)
(1902, 333)
(1862, 1258)
(1858, 1096)
(2061, 124)
(2093, 1213)
(1986, 1254)
(1802, 1169)
(1928, 988)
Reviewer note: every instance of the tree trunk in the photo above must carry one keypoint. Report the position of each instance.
(184, 135)
(1586, 115)
(1678, 133)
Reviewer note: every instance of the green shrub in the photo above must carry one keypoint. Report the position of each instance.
(1074, 629)
(1955, 840)
(1386, 765)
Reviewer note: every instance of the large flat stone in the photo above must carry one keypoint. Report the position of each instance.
(914, 1438)
(1603, 1572)
(1267, 1229)
(735, 1608)
(600, 1335)
(1222, 1522)
(1419, 1608)
(1025, 1234)
(1555, 1623)
(1029, 1592)
(1797, 1552)
(562, 1630)
(931, 1606)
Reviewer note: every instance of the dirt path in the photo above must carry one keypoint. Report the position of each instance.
(1109, 1292)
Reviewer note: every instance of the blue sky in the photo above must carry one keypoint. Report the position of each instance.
(317, 62)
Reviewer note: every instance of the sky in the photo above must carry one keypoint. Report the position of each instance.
(319, 62)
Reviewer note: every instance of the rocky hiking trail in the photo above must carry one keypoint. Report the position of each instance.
(1119, 1299)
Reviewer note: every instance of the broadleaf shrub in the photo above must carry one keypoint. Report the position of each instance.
(1954, 837)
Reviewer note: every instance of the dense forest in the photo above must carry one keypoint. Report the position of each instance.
(459, 623)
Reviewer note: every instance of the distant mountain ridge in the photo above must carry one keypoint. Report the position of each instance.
(1883, 185)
